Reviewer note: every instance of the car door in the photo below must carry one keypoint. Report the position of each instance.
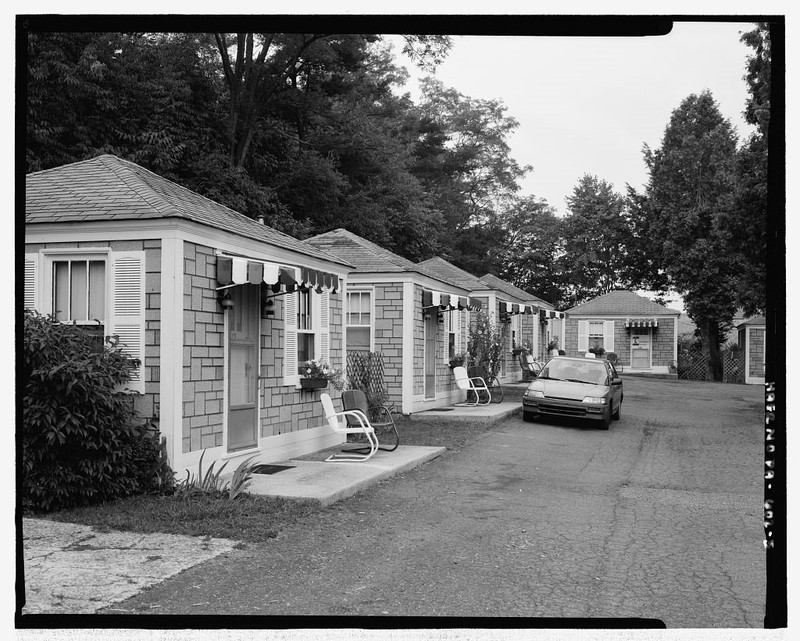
(616, 390)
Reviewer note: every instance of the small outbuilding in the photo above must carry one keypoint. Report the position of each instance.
(753, 337)
(642, 333)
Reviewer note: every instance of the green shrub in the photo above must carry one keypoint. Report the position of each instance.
(81, 440)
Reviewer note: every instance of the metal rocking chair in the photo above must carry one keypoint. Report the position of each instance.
(357, 400)
(472, 385)
(338, 424)
(495, 389)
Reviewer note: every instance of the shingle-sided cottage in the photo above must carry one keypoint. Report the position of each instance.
(546, 325)
(753, 338)
(643, 334)
(522, 317)
(218, 308)
(410, 315)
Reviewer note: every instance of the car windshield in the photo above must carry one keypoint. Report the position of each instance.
(577, 372)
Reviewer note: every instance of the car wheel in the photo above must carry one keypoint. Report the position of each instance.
(528, 416)
(606, 422)
(616, 414)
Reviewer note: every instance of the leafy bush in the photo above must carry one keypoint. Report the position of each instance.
(81, 440)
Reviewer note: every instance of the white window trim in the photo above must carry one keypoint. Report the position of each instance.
(371, 292)
(44, 297)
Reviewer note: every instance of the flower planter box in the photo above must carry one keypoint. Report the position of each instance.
(313, 383)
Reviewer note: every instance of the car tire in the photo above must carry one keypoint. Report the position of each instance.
(616, 415)
(528, 417)
(606, 422)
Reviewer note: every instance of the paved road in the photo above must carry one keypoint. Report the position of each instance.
(659, 517)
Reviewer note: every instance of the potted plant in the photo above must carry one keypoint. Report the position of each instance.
(552, 347)
(317, 375)
(457, 360)
(597, 351)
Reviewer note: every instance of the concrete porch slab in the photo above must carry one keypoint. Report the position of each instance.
(311, 479)
(484, 413)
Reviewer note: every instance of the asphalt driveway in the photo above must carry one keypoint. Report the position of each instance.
(659, 517)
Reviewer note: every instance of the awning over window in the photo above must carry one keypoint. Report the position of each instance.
(641, 322)
(448, 302)
(545, 314)
(235, 270)
(517, 308)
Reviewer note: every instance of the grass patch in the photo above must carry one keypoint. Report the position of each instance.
(247, 518)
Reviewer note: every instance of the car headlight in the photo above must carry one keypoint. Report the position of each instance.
(594, 399)
(534, 393)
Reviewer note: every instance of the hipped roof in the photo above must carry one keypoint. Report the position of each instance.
(622, 302)
(108, 188)
(368, 257)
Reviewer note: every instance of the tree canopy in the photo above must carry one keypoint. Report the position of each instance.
(312, 132)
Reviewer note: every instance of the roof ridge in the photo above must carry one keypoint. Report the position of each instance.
(126, 171)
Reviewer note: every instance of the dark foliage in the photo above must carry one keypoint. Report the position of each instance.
(81, 442)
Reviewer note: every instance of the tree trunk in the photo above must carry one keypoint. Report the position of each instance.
(709, 336)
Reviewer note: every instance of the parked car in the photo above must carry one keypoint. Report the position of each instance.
(575, 387)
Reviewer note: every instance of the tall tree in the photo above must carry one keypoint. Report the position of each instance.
(596, 240)
(464, 162)
(749, 234)
(692, 179)
(530, 250)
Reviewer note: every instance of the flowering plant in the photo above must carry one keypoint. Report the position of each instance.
(318, 369)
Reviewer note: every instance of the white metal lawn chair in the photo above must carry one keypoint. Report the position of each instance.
(474, 384)
(338, 423)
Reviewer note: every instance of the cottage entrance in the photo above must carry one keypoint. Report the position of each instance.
(243, 334)
(431, 323)
(640, 348)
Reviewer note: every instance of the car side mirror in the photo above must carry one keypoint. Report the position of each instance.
(616, 381)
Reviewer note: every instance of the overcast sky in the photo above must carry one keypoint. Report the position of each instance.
(587, 105)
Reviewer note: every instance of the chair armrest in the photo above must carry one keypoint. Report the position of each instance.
(386, 411)
(478, 378)
(359, 415)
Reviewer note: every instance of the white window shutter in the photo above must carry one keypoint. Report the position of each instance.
(457, 315)
(324, 327)
(31, 280)
(583, 336)
(608, 336)
(127, 309)
(447, 319)
(290, 339)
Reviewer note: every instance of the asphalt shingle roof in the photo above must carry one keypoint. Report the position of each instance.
(512, 290)
(622, 302)
(453, 274)
(109, 188)
(367, 256)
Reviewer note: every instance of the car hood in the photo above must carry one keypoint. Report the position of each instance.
(568, 389)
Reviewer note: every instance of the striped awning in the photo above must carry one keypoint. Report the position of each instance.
(545, 314)
(641, 322)
(236, 270)
(448, 302)
(517, 308)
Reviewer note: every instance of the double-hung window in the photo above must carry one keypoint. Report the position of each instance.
(305, 326)
(596, 334)
(306, 331)
(79, 293)
(359, 321)
(101, 290)
(452, 330)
